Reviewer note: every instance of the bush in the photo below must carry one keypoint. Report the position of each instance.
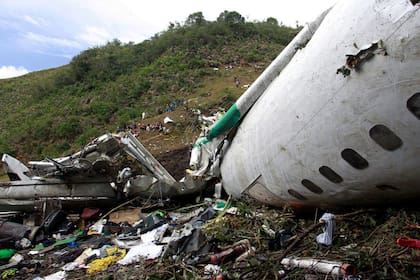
(41, 127)
(87, 136)
(68, 129)
(252, 56)
(55, 150)
(5, 147)
(143, 86)
(103, 110)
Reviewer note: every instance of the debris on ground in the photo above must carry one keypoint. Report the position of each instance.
(215, 239)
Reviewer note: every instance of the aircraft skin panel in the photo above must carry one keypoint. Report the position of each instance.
(17, 190)
(311, 114)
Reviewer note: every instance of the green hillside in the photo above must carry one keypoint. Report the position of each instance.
(54, 112)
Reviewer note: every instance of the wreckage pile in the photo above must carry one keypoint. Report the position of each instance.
(214, 239)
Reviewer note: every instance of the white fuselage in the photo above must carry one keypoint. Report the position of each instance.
(318, 137)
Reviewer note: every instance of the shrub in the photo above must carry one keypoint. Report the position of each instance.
(103, 110)
(68, 129)
(5, 147)
(87, 136)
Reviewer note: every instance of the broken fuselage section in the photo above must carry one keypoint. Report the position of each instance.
(107, 170)
(334, 120)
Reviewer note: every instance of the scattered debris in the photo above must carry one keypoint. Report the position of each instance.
(142, 239)
(130, 216)
(327, 236)
(408, 242)
(278, 240)
(333, 268)
(167, 120)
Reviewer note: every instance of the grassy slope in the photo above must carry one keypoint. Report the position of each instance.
(52, 113)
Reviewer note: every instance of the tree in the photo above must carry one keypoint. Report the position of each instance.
(231, 18)
(272, 20)
(196, 18)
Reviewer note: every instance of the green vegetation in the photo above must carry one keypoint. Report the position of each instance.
(52, 112)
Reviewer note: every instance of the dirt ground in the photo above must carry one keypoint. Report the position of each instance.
(172, 149)
(175, 161)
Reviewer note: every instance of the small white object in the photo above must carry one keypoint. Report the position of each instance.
(328, 229)
(212, 269)
(70, 266)
(218, 190)
(167, 120)
(146, 250)
(16, 258)
(60, 275)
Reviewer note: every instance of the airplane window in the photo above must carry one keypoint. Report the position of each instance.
(311, 186)
(330, 174)
(413, 104)
(296, 194)
(13, 176)
(354, 159)
(387, 187)
(385, 138)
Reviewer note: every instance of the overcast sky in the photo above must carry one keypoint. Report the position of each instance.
(41, 34)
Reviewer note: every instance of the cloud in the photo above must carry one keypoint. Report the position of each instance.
(35, 21)
(8, 24)
(12, 71)
(61, 29)
(93, 36)
(54, 53)
(51, 41)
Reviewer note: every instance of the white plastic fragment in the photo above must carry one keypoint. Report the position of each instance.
(218, 190)
(327, 236)
(155, 234)
(146, 250)
(167, 120)
(25, 243)
(98, 226)
(60, 275)
(86, 254)
(16, 258)
(212, 270)
(269, 231)
(127, 243)
(70, 266)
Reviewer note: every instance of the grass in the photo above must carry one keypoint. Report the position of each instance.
(220, 90)
(4, 178)
(57, 111)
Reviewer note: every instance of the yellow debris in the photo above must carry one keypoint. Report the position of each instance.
(114, 254)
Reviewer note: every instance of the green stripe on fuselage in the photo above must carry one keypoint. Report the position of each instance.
(229, 120)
